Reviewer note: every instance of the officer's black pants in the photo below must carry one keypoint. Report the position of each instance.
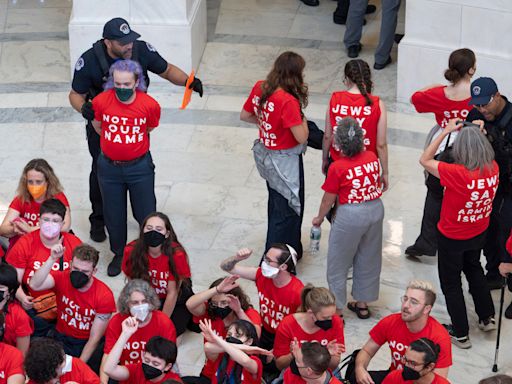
(96, 217)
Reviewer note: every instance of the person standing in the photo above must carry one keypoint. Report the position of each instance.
(355, 21)
(124, 117)
(355, 239)
(91, 72)
(445, 102)
(276, 106)
(470, 184)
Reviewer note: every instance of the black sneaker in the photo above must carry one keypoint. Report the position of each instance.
(413, 251)
(353, 50)
(98, 235)
(487, 325)
(114, 268)
(311, 3)
(494, 281)
(379, 66)
(461, 342)
(370, 8)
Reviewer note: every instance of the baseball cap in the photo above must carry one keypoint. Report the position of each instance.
(482, 89)
(119, 29)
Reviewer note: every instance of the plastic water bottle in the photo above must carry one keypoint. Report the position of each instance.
(314, 237)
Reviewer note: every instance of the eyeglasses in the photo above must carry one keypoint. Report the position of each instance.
(484, 105)
(412, 301)
(265, 258)
(410, 363)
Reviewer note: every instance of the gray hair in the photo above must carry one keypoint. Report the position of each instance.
(141, 286)
(425, 286)
(472, 149)
(349, 137)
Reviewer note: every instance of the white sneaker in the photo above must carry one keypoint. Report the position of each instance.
(487, 325)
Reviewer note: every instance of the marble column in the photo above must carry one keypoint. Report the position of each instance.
(434, 28)
(176, 28)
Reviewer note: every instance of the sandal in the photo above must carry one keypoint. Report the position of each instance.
(361, 312)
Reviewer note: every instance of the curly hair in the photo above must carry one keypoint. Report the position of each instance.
(287, 75)
(141, 286)
(86, 252)
(138, 259)
(126, 66)
(245, 302)
(40, 165)
(43, 358)
(358, 72)
(349, 137)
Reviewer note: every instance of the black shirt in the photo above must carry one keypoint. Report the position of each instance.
(88, 74)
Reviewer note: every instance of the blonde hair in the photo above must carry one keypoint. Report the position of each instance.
(425, 286)
(315, 298)
(40, 165)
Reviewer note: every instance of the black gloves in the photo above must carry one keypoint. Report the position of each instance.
(197, 86)
(87, 111)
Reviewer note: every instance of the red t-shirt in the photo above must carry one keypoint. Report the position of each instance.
(159, 325)
(137, 375)
(246, 377)
(17, 324)
(29, 211)
(219, 327)
(354, 180)
(343, 104)
(467, 201)
(30, 254)
(124, 127)
(77, 371)
(276, 303)
(290, 328)
(77, 310)
(290, 378)
(280, 113)
(11, 362)
(393, 330)
(158, 268)
(395, 377)
(434, 100)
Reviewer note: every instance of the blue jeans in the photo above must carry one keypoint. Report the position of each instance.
(115, 180)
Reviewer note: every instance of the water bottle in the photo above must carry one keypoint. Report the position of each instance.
(314, 237)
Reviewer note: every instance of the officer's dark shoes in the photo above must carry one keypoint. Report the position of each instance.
(114, 268)
(494, 281)
(379, 66)
(98, 235)
(508, 311)
(509, 282)
(339, 19)
(413, 251)
(311, 3)
(353, 50)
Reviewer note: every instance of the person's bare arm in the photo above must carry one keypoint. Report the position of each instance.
(231, 265)
(195, 304)
(7, 228)
(98, 327)
(22, 343)
(363, 360)
(174, 74)
(16, 379)
(67, 220)
(327, 141)
(382, 145)
(248, 117)
(170, 299)
(328, 200)
(76, 100)
(97, 126)
(300, 132)
(442, 371)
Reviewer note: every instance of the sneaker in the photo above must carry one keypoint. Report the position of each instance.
(98, 234)
(487, 325)
(379, 66)
(353, 50)
(411, 250)
(114, 268)
(461, 342)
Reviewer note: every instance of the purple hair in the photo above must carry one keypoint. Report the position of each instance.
(126, 66)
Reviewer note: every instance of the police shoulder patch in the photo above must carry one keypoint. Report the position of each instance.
(150, 47)
(79, 64)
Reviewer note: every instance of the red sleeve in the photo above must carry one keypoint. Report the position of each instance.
(125, 265)
(23, 322)
(16, 204)
(290, 113)
(132, 372)
(259, 373)
(445, 354)
(509, 244)
(18, 255)
(338, 329)
(332, 182)
(168, 329)
(283, 338)
(58, 276)
(112, 333)
(248, 105)
(379, 332)
(106, 304)
(254, 316)
(426, 101)
(446, 172)
(87, 376)
(180, 261)
(14, 365)
(154, 111)
(62, 198)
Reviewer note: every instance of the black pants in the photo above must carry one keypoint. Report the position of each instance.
(96, 217)
(284, 225)
(181, 316)
(342, 9)
(267, 342)
(74, 347)
(377, 376)
(456, 256)
(196, 379)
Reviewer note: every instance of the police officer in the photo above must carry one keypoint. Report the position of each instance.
(494, 113)
(91, 71)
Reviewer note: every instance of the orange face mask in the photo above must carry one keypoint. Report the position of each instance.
(36, 191)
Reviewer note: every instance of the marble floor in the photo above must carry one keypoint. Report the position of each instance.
(205, 177)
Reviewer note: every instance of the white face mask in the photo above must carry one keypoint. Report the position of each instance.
(140, 311)
(268, 271)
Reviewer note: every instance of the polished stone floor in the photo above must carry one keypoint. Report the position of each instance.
(205, 177)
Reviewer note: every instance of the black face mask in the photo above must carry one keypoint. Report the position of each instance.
(150, 372)
(324, 324)
(153, 238)
(294, 368)
(78, 279)
(233, 340)
(410, 374)
(222, 312)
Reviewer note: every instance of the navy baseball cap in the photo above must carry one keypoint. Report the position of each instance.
(482, 89)
(119, 29)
